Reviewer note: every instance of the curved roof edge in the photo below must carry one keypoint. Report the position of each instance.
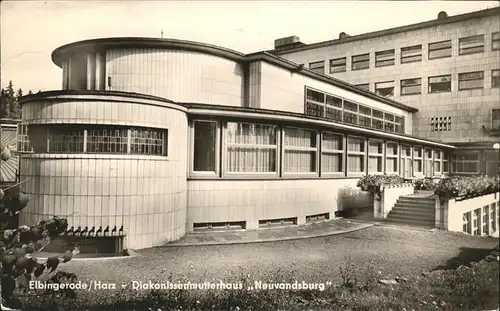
(96, 44)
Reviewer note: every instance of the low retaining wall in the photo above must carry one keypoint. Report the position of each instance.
(476, 216)
(389, 195)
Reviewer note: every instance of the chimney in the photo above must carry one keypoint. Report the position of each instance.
(287, 42)
(442, 15)
(343, 35)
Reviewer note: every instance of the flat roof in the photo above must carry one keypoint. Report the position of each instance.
(123, 42)
(390, 31)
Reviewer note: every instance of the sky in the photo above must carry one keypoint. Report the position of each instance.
(31, 30)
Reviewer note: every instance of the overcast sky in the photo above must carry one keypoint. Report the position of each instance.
(31, 30)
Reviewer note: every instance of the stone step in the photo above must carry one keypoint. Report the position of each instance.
(406, 221)
(415, 205)
(411, 213)
(422, 200)
(404, 215)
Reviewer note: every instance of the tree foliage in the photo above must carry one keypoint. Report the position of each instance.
(9, 104)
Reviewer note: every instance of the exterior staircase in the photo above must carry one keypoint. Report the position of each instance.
(414, 210)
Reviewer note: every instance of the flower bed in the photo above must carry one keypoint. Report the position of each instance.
(372, 183)
(463, 188)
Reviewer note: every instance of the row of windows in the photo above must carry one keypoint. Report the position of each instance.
(436, 84)
(267, 149)
(439, 124)
(410, 54)
(99, 139)
(485, 223)
(325, 105)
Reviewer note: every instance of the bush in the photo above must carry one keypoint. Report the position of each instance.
(466, 187)
(425, 184)
(372, 183)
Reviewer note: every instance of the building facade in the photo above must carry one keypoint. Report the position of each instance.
(448, 68)
(152, 138)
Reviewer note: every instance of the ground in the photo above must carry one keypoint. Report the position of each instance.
(393, 251)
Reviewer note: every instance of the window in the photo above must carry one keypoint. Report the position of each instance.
(406, 161)
(495, 78)
(467, 162)
(440, 84)
(350, 112)
(429, 163)
(318, 67)
(66, 139)
(476, 215)
(440, 124)
(385, 89)
(338, 65)
(411, 86)
(384, 58)
(486, 220)
(332, 153)
(251, 148)
(437, 162)
(471, 80)
(391, 158)
(375, 156)
(399, 125)
(493, 226)
(147, 141)
(417, 160)
(471, 45)
(107, 140)
(23, 141)
(446, 167)
(365, 116)
(205, 146)
(440, 49)
(466, 219)
(411, 54)
(495, 119)
(355, 154)
(389, 122)
(300, 148)
(361, 61)
(365, 86)
(495, 41)
(315, 103)
(334, 108)
(378, 119)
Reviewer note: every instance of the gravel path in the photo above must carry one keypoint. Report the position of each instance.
(393, 251)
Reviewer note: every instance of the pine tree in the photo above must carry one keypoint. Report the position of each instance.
(4, 108)
(16, 109)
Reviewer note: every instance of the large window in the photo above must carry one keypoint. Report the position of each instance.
(471, 80)
(205, 146)
(471, 45)
(300, 150)
(417, 161)
(324, 105)
(465, 163)
(361, 61)
(375, 156)
(495, 78)
(318, 67)
(384, 58)
(440, 84)
(391, 158)
(411, 54)
(332, 153)
(406, 161)
(385, 89)
(251, 148)
(429, 163)
(338, 65)
(411, 86)
(437, 162)
(495, 41)
(107, 139)
(355, 154)
(440, 49)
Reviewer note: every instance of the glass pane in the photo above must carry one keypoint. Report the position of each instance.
(300, 161)
(332, 162)
(332, 141)
(205, 140)
(300, 137)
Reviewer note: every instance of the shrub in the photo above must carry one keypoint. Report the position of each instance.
(372, 183)
(466, 187)
(425, 184)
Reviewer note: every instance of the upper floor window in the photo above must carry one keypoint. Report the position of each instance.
(411, 86)
(338, 65)
(495, 41)
(385, 89)
(384, 58)
(440, 84)
(251, 148)
(495, 78)
(411, 54)
(23, 141)
(361, 61)
(440, 49)
(441, 124)
(104, 140)
(318, 67)
(495, 119)
(471, 80)
(364, 86)
(471, 45)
